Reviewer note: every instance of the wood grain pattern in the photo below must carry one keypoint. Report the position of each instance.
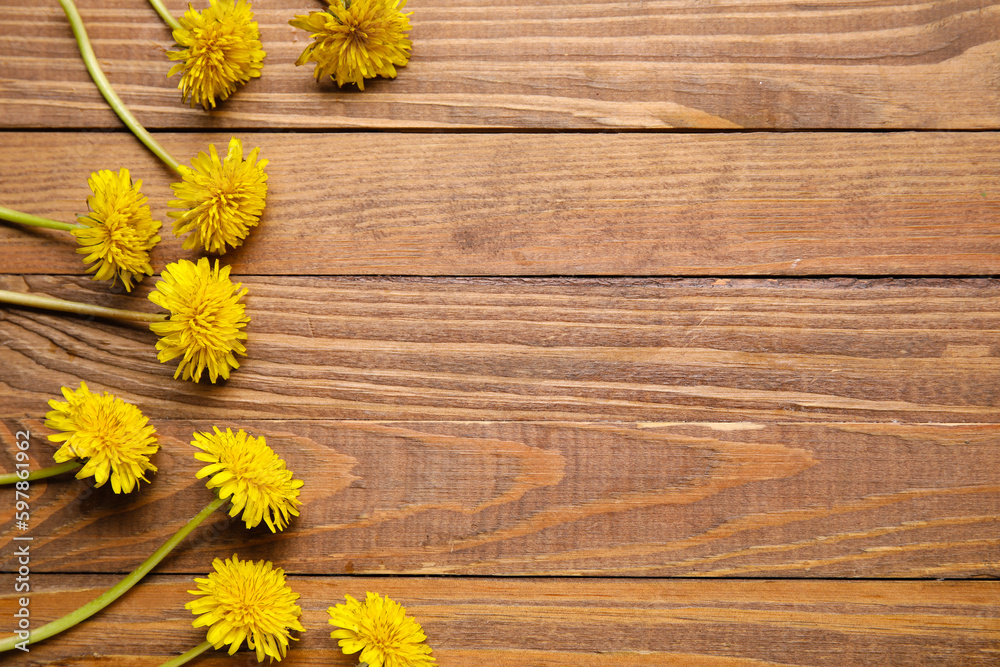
(556, 65)
(553, 349)
(649, 204)
(618, 467)
(567, 623)
(489, 498)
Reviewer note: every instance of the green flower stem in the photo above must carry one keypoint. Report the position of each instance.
(64, 306)
(174, 25)
(119, 589)
(10, 215)
(193, 653)
(42, 473)
(90, 60)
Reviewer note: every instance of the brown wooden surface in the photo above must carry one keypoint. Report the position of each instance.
(535, 204)
(562, 349)
(573, 365)
(575, 622)
(489, 498)
(553, 65)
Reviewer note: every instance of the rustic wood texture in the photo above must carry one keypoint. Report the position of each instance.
(644, 204)
(571, 623)
(551, 339)
(646, 499)
(557, 65)
(567, 623)
(542, 349)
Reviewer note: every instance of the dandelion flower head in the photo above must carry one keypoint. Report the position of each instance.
(381, 630)
(114, 437)
(246, 600)
(244, 467)
(220, 50)
(206, 319)
(119, 231)
(221, 200)
(354, 40)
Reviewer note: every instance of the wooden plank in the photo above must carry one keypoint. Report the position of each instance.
(556, 65)
(562, 623)
(553, 349)
(651, 204)
(502, 498)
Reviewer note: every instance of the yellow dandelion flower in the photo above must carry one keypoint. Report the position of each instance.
(246, 600)
(119, 231)
(381, 630)
(113, 435)
(244, 467)
(354, 40)
(221, 200)
(220, 50)
(206, 318)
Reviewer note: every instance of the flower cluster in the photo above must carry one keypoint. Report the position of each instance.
(217, 203)
(246, 601)
(241, 600)
(352, 40)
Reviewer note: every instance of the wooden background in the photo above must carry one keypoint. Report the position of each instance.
(609, 334)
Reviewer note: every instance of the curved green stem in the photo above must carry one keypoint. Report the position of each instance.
(10, 215)
(193, 653)
(64, 306)
(169, 20)
(90, 60)
(116, 591)
(42, 473)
